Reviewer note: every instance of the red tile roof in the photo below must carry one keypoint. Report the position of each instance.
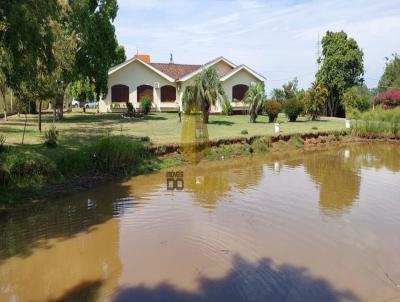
(175, 71)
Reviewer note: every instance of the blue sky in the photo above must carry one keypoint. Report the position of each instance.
(276, 38)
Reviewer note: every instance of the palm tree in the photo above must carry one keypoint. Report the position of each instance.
(207, 89)
(255, 99)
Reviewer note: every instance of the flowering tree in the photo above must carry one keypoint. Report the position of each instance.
(390, 98)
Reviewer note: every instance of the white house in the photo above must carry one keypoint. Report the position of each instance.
(165, 83)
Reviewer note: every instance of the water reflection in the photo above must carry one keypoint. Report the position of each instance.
(261, 236)
(338, 172)
(338, 181)
(215, 180)
(262, 281)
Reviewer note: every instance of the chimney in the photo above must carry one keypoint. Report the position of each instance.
(171, 59)
(144, 58)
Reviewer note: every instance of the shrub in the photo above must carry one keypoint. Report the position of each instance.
(272, 109)
(129, 107)
(390, 98)
(117, 155)
(314, 100)
(296, 141)
(227, 108)
(4, 177)
(293, 108)
(262, 144)
(355, 99)
(244, 131)
(2, 143)
(28, 169)
(145, 104)
(51, 137)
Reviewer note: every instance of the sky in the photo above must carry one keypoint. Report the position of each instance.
(278, 39)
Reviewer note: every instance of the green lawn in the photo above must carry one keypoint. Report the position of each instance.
(79, 128)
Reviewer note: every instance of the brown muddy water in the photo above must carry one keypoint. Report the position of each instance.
(316, 226)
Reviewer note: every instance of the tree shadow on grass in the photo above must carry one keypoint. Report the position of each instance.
(262, 281)
(155, 117)
(221, 123)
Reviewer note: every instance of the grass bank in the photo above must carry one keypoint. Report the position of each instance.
(379, 123)
(77, 129)
(30, 173)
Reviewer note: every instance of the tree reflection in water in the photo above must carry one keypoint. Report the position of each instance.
(338, 172)
(246, 281)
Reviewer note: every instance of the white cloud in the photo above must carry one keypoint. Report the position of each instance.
(276, 38)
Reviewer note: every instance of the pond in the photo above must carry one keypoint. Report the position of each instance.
(309, 226)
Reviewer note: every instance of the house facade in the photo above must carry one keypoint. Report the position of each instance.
(165, 83)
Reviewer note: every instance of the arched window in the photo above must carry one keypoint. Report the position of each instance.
(238, 92)
(144, 90)
(120, 93)
(168, 93)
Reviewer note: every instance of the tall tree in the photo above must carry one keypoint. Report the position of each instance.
(120, 55)
(255, 99)
(341, 67)
(205, 92)
(25, 40)
(391, 75)
(97, 43)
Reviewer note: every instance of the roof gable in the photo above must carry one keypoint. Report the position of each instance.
(209, 64)
(239, 68)
(126, 63)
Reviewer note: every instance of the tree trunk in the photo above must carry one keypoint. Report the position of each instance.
(205, 117)
(206, 111)
(40, 116)
(330, 109)
(61, 108)
(23, 133)
(3, 94)
(54, 110)
(11, 101)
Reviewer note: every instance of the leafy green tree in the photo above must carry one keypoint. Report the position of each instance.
(97, 43)
(255, 99)
(205, 92)
(120, 55)
(290, 89)
(315, 100)
(26, 40)
(82, 90)
(64, 49)
(356, 98)
(341, 67)
(391, 75)
(278, 94)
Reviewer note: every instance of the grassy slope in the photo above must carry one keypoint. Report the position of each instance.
(78, 128)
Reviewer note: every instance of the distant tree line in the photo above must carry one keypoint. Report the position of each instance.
(338, 88)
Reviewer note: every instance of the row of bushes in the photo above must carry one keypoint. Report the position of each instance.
(109, 155)
(377, 123)
(293, 108)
